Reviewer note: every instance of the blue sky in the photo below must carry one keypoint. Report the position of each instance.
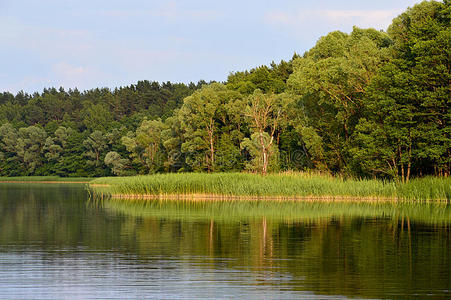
(88, 44)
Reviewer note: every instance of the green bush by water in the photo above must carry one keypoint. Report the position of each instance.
(275, 185)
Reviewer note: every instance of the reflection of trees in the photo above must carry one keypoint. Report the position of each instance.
(366, 258)
(47, 215)
(348, 256)
(353, 256)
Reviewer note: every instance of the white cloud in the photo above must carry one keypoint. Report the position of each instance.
(379, 19)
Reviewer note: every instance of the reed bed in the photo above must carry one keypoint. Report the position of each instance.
(274, 186)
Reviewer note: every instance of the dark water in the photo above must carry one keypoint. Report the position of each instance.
(56, 243)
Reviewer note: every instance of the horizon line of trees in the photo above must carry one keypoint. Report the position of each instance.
(367, 104)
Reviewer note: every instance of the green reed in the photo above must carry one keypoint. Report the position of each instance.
(284, 185)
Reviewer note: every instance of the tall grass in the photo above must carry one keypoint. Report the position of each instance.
(286, 185)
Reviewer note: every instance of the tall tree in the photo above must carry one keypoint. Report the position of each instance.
(9, 162)
(145, 144)
(95, 145)
(331, 81)
(199, 116)
(409, 100)
(172, 139)
(30, 147)
(117, 164)
(265, 113)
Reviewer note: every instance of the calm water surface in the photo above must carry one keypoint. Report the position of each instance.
(57, 243)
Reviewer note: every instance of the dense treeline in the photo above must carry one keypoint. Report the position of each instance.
(68, 133)
(368, 103)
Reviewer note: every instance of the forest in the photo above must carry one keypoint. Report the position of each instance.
(364, 104)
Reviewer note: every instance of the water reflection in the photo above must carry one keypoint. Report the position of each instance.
(57, 243)
(323, 248)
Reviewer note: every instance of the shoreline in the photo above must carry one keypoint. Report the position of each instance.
(275, 187)
(213, 197)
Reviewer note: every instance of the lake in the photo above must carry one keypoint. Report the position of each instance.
(56, 242)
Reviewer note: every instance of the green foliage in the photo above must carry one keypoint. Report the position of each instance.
(407, 125)
(265, 114)
(268, 80)
(331, 80)
(361, 104)
(313, 143)
(8, 141)
(201, 116)
(253, 146)
(23, 147)
(96, 117)
(172, 139)
(145, 145)
(95, 145)
(81, 127)
(228, 155)
(117, 164)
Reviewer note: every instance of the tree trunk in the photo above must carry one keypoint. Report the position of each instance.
(212, 155)
(264, 154)
(409, 163)
(265, 161)
(408, 172)
(212, 147)
(403, 178)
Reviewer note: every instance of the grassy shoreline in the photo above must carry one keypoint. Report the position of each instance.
(284, 186)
